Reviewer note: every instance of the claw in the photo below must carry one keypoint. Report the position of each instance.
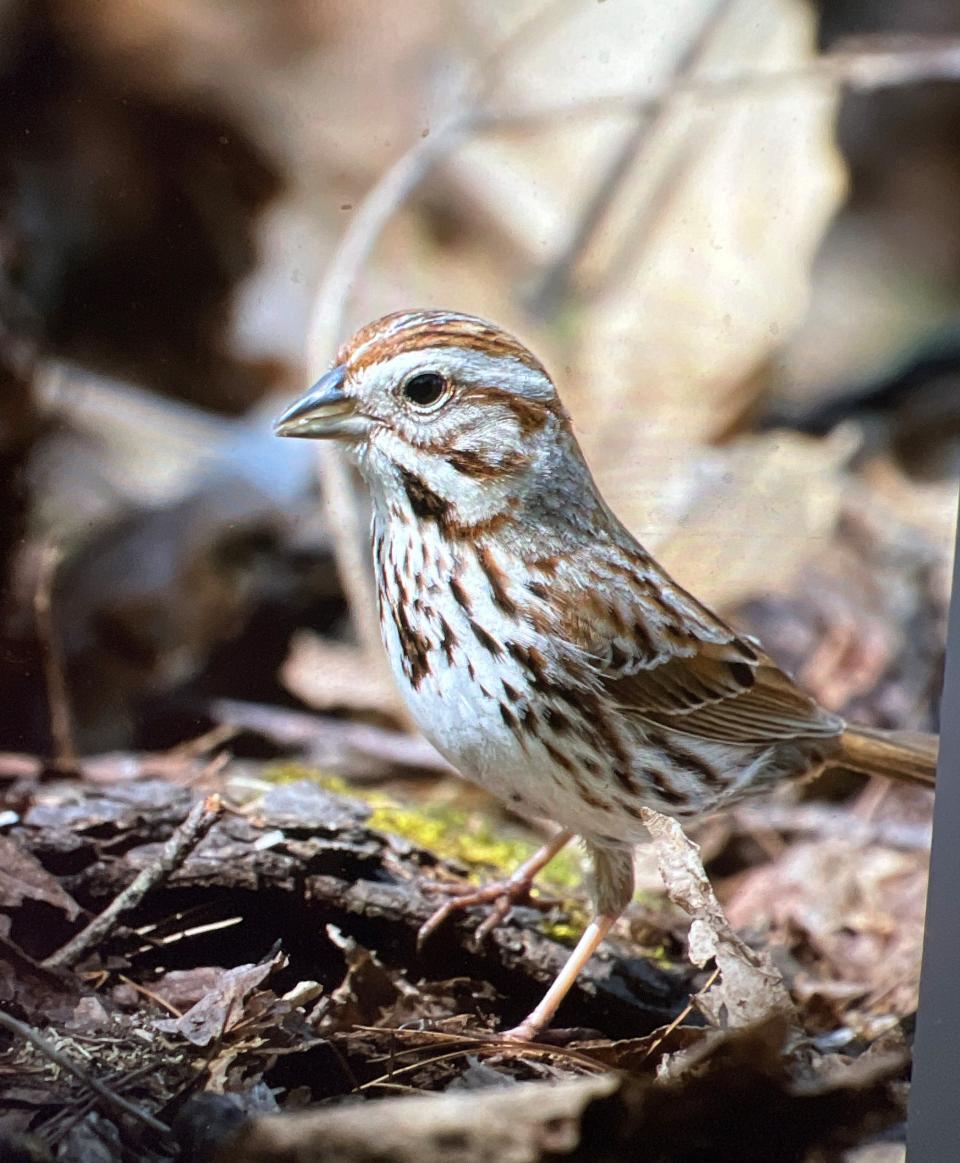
(502, 894)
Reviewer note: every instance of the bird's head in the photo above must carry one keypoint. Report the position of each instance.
(444, 413)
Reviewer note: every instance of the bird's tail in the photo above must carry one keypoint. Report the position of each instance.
(909, 756)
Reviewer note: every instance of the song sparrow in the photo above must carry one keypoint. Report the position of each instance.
(538, 645)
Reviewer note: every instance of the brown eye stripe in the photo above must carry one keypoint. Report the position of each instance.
(482, 468)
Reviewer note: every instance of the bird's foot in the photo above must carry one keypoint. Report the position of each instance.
(502, 895)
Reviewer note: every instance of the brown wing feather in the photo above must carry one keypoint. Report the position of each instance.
(723, 699)
(668, 659)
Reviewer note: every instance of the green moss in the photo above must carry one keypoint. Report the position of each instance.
(467, 837)
(470, 838)
(295, 772)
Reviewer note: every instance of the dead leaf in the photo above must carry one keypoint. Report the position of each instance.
(23, 878)
(858, 908)
(368, 988)
(750, 989)
(219, 1010)
(184, 988)
(641, 1055)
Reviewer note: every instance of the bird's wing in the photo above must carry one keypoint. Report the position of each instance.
(715, 695)
(666, 658)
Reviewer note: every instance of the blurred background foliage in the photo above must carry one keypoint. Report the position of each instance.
(741, 263)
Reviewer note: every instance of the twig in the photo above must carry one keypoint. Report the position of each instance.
(150, 995)
(682, 1015)
(554, 283)
(61, 725)
(203, 744)
(344, 508)
(859, 67)
(40, 1043)
(201, 818)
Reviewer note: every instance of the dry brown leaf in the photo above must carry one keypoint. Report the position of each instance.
(728, 522)
(859, 907)
(23, 878)
(721, 274)
(750, 989)
(219, 1010)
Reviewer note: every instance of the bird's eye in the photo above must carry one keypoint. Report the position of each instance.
(425, 389)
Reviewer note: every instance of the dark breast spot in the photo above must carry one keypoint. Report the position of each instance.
(414, 645)
(626, 780)
(556, 721)
(487, 641)
(460, 595)
(448, 639)
(424, 502)
(558, 756)
(497, 579)
(533, 663)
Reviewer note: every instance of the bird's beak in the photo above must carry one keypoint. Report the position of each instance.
(326, 412)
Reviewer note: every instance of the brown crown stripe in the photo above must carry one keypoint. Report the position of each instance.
(417, 330)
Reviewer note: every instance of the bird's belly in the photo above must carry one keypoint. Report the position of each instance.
(471, 720)
(462, 717)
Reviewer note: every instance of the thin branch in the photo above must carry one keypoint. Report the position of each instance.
(58, 701)
(344, 507)
(860, 67)
(175, 851)
(40, 1043)
(553, 285)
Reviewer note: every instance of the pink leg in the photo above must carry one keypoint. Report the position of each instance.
(613, 885)
(537, 1021)
(502, 894)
